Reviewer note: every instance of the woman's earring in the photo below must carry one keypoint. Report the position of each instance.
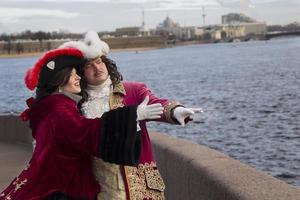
(59, 89)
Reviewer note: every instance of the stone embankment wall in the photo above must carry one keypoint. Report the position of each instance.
(115, 43)
(135, 42)
(190, 171)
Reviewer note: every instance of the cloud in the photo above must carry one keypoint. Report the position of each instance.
(195, 4)
(80, 15)
(182, 5)
(179, 4)
(13, 15)
(236, 3)
(155, 5)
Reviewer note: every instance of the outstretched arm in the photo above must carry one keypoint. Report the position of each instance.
(173, 112)
(168, 105)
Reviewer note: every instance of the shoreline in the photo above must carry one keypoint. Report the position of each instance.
(134, 49)
(137, 49)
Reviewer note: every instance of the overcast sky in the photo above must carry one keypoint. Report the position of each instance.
(106, 15)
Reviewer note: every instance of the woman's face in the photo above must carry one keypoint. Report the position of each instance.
(73, 85)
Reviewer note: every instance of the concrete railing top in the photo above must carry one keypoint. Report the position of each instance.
(192, 171)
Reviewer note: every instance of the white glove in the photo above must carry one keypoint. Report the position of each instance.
(181, 113)
(152, 111)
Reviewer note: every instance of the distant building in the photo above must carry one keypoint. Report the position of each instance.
(243, 29)
(191, 33)
(216, 34)
(235, 31)
(257, 28)
(235, 25)
(168, 28)
(106, 34)
(211, 33)
(172, 30)
(231, 31)
(131, 31)
(233, 18)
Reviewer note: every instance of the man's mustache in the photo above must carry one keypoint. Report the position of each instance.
(98, 72)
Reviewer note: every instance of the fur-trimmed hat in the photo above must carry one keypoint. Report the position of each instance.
(50, 63)
(91, 46)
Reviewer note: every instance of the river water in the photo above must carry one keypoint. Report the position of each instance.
(250, 94)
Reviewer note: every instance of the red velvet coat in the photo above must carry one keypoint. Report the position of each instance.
(61, 161)
(56, 120)
(143, 181)
(134, 93)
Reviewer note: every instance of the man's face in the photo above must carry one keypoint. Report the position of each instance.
(95, 71)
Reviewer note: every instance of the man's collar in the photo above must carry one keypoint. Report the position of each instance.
(119, 88)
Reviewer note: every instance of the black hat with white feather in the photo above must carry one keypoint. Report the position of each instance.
(91, 46)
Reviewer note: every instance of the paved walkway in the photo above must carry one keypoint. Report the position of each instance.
(13, 158)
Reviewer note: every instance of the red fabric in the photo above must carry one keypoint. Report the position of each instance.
(61, 160)
(32, 75)
(24, 115)
(135, 94)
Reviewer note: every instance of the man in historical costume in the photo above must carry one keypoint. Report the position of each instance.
(60, 167)
(105, 90)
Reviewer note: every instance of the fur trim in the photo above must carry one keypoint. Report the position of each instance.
(76, 45)
(91, 46)
(32, 75)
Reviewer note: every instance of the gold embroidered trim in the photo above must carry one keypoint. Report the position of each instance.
(119, 88)
(167, 111)
(154, 179)
(115, 101)
(145, 182)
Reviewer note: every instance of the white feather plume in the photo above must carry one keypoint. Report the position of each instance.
(77, 45)
(91, 46)
(95, 45)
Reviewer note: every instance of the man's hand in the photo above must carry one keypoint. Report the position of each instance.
(145, 111)
(182, 113)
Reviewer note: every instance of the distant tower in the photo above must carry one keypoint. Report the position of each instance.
(143, 19)
(203, 15)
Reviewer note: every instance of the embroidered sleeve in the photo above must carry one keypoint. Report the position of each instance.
(168, 111)
(167, 104)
